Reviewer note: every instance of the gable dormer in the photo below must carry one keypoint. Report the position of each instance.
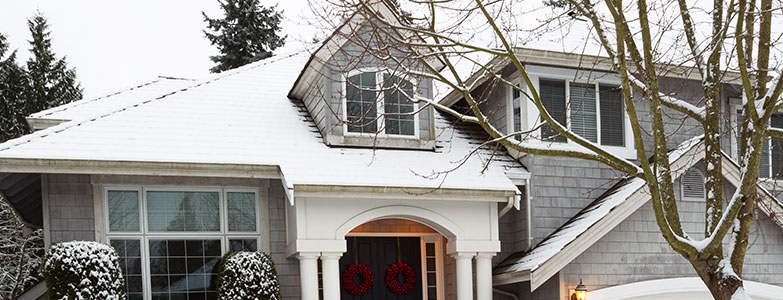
(358, 98)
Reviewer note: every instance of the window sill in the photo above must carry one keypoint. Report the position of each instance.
(367, 141)
(623, 152)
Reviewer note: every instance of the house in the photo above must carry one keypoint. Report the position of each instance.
(174, 173)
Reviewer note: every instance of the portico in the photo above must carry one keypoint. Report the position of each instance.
(463, 233)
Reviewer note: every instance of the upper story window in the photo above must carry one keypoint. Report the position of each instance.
(373, 98)
(771, 161)
(593, 110)
(692, 185)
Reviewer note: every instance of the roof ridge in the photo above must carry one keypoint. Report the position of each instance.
(78, 122)
(81, 102)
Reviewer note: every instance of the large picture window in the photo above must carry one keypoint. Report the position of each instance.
(594, 111)
(170, 239)
(373, 98)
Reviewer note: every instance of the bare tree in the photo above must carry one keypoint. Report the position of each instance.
(460, 45)
(21, 253)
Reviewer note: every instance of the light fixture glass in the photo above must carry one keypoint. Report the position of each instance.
(580, 292)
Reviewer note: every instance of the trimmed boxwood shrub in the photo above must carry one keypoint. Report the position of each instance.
(247, 276)
(83, 270)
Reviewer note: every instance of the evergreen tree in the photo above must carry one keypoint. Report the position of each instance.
(248, 32)
(13, 81)
(51, 82)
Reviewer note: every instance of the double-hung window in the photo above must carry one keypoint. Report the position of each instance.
(170, 240)
(373, 98)
(771, 161)
(591, 110)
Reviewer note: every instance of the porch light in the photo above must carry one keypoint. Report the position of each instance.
(580, 292)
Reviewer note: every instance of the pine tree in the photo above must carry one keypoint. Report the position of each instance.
(51, 82)
(13, 81)
(248, 32)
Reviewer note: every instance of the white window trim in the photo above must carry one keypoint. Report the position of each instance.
(379, 104)
(144, 235)
(535, 72)
(439, 280)
(735, 147)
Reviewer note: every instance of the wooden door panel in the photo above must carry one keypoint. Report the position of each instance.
(377, 254)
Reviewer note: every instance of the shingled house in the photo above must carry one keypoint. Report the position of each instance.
(174, 173)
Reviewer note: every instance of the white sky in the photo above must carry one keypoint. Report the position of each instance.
(115, 44)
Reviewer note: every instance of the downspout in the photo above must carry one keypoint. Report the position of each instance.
(528, 215)
(504, 293)
(512, 200)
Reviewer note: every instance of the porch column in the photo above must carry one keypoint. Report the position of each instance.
(330, 266)
(308, 275)
(484, 275)
(464, 274)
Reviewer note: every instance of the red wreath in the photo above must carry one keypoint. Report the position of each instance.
(391, 278)
(363, 273)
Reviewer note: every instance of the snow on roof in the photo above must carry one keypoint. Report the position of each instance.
(106, 104)
(582, 221)
(245, 117)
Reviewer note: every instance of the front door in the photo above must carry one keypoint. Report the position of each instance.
(377, 254)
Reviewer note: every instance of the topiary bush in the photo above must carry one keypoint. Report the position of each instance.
(83, 270)
(247, 276)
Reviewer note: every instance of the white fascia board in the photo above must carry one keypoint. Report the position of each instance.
(395, 193)
(106, 167)
(598, 230)
(43, 123)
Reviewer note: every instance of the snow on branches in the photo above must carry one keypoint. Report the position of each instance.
(21, 252)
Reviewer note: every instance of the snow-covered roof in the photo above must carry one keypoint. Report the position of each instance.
(243, 117)
(606, 212)
(588, 218)
(126, 97)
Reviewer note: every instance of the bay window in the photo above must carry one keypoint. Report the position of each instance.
(170, 240)
(373, 98)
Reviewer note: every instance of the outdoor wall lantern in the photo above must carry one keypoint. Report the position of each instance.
(580, 292)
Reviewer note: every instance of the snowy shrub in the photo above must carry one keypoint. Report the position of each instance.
(83, 270)
(247, 276)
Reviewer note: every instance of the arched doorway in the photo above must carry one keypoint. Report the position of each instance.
(380, 243)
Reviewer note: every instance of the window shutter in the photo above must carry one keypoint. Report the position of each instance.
(693, 184)
(552, 93)
(612, 112)
(764, 162)
(583, 115)
(516, 103)
(777, 149)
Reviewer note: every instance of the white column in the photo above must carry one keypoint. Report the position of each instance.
(330, 266)
(308, 275)
(464, 275)
(484, 275)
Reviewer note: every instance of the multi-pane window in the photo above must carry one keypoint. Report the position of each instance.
(516, 106)
(432, 268)
(591, 110)
(373, 98)
(170, 240)
(771, 160)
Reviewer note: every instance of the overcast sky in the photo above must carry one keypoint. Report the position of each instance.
(115, 44)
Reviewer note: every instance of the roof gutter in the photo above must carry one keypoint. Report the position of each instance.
(113, 167)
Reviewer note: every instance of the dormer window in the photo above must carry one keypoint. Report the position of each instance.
(377, 97)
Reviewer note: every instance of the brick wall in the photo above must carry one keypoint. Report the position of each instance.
(71, 214)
